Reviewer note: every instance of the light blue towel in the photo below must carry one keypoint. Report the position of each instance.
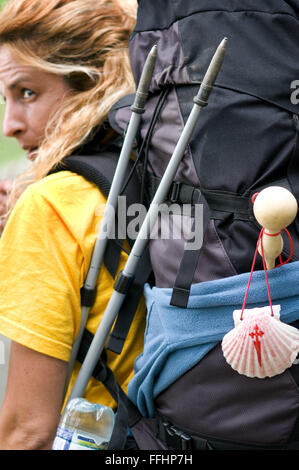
(176, 339)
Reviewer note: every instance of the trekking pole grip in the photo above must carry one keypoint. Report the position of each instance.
(144, 83)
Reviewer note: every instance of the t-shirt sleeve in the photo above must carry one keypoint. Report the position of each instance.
(40, 278)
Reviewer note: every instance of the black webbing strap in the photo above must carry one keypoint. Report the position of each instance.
(179, 439)
(220, 202)
(127, 414)
(126, 314)
(189, 262)
(86, 340)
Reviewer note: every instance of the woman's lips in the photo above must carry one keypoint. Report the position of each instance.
(31, 152)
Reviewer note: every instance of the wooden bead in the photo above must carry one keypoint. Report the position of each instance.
(274, 208)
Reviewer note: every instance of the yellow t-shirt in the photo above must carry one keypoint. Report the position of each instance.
(45, 251)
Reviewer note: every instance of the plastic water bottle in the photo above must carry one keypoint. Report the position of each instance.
(84, 426)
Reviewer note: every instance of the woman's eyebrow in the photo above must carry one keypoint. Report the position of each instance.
(23, 78)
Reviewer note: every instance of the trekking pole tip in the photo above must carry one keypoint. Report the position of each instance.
(216, 63)
(154, 49)
(211, 74)
(223, 42)
(144, 82)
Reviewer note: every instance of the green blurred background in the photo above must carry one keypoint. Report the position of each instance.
(11, 155)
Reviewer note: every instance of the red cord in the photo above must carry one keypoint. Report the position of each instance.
(265, 271)
(272, 234)
(260, 241)
(291, 250)
(253, 197)
(251, 272)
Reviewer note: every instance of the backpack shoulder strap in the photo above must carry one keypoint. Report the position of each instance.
(88, 167)
(99, 169)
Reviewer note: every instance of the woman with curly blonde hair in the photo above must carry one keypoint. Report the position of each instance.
(63, 64)
(85, 44)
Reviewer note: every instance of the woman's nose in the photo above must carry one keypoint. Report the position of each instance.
(13, 122)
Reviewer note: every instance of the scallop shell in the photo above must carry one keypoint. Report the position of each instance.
(260, 345)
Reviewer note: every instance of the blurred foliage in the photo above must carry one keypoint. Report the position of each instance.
(9, 148)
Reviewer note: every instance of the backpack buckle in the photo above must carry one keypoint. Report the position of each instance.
(175, 191)
(176, 438)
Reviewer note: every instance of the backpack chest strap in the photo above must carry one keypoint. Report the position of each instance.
(220, 202)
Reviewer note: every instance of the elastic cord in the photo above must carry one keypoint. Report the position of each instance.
(291, 246)
(272, 234)
(251, 272)
(291, 250)
(253, 197)
(260, 241)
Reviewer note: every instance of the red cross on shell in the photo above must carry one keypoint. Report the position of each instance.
(256, 334)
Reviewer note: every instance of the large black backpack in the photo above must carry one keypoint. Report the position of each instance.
(246, 139)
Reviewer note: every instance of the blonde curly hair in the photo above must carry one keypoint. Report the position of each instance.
(86, 42)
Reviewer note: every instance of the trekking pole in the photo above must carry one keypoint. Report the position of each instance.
(88, 290)
(126, 277)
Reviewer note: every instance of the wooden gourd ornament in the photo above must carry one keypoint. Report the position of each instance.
(274, 208)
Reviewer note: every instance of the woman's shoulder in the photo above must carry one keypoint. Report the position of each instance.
(64, 187)
(63, 207)
(63, 198)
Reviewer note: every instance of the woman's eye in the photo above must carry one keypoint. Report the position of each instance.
(27, 93)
